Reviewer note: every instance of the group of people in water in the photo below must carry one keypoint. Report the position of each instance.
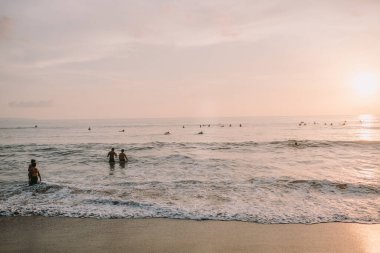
(112, 155)
(302, 123)
(34, 172)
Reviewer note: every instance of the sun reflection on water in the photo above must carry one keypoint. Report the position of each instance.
(365, 131)
(366, 118)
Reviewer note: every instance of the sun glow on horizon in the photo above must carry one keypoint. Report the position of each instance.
(365, 84)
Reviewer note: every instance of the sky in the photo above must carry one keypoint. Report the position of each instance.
(78, 59)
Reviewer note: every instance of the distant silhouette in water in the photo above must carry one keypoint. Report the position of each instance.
(230, 125)
(122, 131)
(183, 126)
(89, 128)
(167, 133)
(35, 126)
(240, 125)
(302, 123)
(200, 132)
(112, 154)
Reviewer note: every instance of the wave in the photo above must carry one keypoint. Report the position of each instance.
(325, 186)
(16, 128)
(199, 200)
(189, 145)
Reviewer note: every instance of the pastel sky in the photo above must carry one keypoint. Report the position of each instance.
(158, 58)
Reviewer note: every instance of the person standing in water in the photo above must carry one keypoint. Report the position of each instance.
(30, 169)
(112, 154)
(34, 174)
(123, 157)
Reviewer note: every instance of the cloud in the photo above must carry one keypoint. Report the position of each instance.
(31, 104)
(57, 33)
(52, 34)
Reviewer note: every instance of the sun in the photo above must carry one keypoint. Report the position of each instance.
(365, 84)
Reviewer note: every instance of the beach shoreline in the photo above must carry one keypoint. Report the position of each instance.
(62, 234)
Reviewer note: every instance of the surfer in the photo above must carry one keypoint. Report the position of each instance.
(167, 133)
(200, 132)
(34, 174)
(122, 131)
(123, 157)
(112, 154)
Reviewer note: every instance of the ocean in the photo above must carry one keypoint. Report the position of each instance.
(268, 170)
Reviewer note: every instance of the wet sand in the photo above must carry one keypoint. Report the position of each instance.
(58, 234)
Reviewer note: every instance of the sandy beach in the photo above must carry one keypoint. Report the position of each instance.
(58, 234)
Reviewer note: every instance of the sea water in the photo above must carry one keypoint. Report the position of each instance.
(268, 170)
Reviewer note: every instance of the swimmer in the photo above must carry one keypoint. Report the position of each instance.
(122, 131)
(240, 125)
(34, 174)
(112, 154)
(29, 169)
(123, 156)
(167, 133)
(89, 128)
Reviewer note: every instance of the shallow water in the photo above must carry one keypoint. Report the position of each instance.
(252, 173)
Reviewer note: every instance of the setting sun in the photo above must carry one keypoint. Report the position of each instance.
(365, 84)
